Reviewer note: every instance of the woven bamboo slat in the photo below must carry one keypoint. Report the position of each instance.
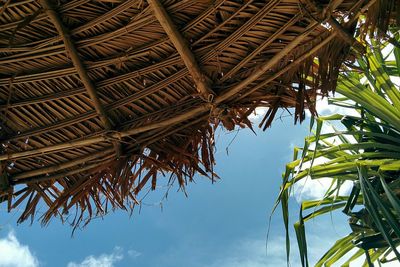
(100, 99)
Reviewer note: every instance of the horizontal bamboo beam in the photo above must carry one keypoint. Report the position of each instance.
(33, 180)
(61, 166)
(110, 136)
(182, 47)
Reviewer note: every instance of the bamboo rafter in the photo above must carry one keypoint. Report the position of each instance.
(183, 49)
(73, 53)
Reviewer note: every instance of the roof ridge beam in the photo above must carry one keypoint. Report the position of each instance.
(183, 49)
(80, 68)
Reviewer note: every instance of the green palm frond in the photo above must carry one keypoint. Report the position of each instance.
(363, 149)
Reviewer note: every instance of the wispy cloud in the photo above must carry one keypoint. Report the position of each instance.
(133, 253)
(103, 260)
(252, 253)
(14, 254)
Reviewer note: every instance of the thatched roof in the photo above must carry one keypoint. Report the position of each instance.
(101, 98)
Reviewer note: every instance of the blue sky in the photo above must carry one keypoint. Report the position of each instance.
(221, 224)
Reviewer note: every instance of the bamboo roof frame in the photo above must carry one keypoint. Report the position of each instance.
(100, 98)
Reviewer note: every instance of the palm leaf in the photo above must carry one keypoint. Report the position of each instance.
(366, 153)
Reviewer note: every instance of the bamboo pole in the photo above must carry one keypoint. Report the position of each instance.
(110, 136)
(182, 47)
(60, 175)
(342, 33)
(61, 166)
(58, 125)
(348, 38)
(264, 45)
(73, 53)
(291, 65)
(66, 145)
(265, 66)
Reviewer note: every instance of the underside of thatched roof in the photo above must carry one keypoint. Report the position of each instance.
(101, 98)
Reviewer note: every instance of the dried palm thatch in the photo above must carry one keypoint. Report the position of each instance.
(101, 97)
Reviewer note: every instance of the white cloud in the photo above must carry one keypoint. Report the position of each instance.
(309, 189)
(134, 253)
(258, 113)
(316, 188)
(104, 260)
(14, 254)
(253, 252)
(324, 109)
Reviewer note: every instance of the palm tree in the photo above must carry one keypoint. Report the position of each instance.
(362, 149)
